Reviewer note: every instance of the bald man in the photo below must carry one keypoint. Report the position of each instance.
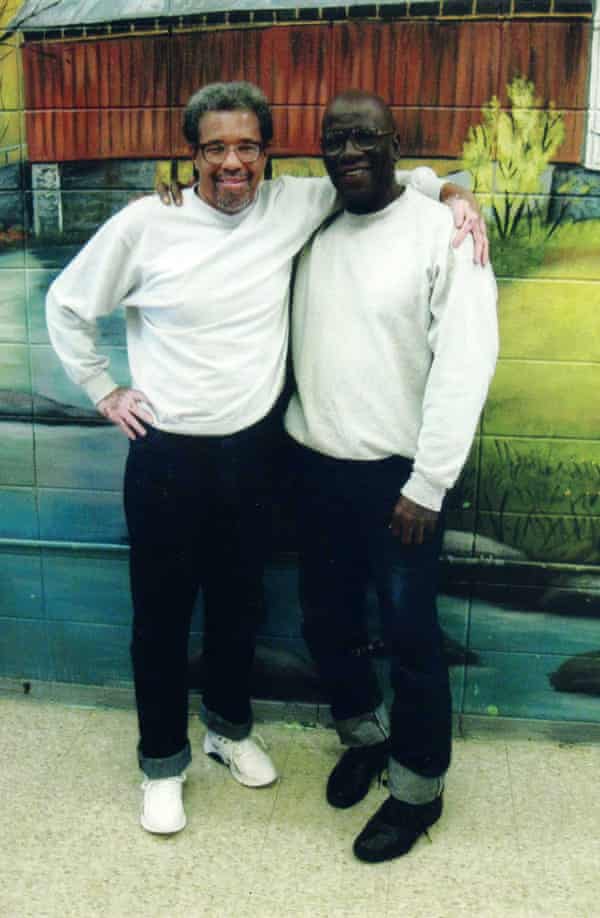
(394, 341)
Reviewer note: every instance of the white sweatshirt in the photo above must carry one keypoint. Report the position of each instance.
(206, 297)
(394, 339)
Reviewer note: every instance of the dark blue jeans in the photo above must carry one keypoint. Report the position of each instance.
(344, 510)
(197, 510)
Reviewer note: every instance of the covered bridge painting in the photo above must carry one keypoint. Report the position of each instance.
(504, 95)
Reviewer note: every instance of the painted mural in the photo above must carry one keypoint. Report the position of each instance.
(501, 95)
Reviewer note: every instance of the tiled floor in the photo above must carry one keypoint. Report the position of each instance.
(520, 835)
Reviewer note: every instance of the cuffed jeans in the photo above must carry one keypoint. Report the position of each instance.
(197, 510)
(344, 510)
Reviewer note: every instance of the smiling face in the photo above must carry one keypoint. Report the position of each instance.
(365, 180)
(231, 185)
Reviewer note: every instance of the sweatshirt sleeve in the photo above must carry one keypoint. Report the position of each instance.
(463, 338)
(422, 179)
(92, 285)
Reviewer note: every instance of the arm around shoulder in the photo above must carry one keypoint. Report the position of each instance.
(422, 179)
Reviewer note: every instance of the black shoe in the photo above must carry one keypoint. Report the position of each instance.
(351, 778)
(394, 829)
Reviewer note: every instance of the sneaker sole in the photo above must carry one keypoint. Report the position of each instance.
(154, 831)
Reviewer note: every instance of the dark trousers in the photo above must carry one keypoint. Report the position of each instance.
(197, 510)
(344, 510)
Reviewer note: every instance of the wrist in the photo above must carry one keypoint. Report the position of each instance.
(422, 491)
(448, 191)
(99, 387)
(451, 191)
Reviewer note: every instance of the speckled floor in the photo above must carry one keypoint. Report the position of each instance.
(520, 835)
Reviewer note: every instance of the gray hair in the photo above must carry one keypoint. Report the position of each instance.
(227, 97)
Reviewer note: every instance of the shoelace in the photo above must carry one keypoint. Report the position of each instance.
(238, 748)
(243, 748)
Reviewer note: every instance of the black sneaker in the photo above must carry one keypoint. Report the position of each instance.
(351, 778)
(394, 829)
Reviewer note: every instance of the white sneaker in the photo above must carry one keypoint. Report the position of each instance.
(248, 763)
(162, 806)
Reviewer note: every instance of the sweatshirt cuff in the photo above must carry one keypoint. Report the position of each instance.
(424, 492)
(99, 387)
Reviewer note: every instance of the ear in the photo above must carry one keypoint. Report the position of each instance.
(396, 147)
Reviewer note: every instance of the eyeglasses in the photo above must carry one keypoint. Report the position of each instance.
(216, 153)
(334, 142)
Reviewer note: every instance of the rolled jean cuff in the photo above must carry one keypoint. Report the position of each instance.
(168, 767)
(366, 729)
(223, 727)
(408, 786)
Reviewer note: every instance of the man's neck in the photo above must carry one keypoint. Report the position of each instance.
(391, 194)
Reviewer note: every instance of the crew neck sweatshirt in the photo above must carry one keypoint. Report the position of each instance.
(206, 301)
(394, 341)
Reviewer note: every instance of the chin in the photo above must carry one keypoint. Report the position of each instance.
(232, 203)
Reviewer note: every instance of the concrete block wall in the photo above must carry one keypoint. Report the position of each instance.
(520, 603)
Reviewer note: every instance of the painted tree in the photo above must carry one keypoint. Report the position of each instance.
(508, 153)
(10, 75)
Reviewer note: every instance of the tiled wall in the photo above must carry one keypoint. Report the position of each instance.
(521, 597)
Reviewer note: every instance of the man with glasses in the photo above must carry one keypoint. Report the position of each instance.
(394, 342)
(205, 287)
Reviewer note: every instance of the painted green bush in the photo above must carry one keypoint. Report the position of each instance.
(510, 151)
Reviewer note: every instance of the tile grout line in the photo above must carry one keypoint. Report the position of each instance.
(270, 816)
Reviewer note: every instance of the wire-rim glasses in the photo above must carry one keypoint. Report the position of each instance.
(214, 152)
(363, 139)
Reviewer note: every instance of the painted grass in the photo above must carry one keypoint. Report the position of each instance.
(542, 498)
(566, 540)
(572, 251)
(541, 477)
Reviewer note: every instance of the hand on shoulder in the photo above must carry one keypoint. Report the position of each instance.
(468, 220)
(173, 193)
